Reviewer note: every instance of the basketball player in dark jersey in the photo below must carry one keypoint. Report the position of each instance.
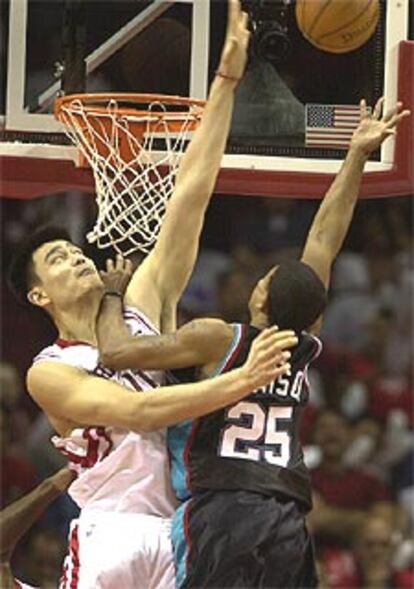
(240, 470)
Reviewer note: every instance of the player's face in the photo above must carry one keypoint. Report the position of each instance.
(65, 274)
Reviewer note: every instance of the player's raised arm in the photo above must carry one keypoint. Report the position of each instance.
(334, 215)
(165, 272)
(68, 394)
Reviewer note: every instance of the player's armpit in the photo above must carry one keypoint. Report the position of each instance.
(199, 342)
(142, 292)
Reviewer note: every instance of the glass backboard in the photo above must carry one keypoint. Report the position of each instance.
(173, 48)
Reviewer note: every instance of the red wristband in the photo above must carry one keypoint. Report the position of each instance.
(226, 77)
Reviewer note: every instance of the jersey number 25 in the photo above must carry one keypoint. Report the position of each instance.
(252, 433)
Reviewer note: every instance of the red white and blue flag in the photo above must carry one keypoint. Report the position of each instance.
(330, 125)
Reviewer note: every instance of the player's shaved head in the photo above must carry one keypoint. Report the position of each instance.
(296, 296)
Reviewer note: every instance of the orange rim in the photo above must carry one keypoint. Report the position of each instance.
(140, 121)
(92, 103)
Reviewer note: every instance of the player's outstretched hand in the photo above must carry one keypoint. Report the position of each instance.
(117, 274)
(375, 127)
(269, 356)
(234, 55)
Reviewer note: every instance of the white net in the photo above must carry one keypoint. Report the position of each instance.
(133, 179)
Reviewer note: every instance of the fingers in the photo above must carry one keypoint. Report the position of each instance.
(237, 19)
(273, 339)
(392, 112)
(271, 350)
(396, 118)
(233, 17)
(244, 20)
(392, 117)
(378, 108)
(270, 368)
(363, 108)
(119, 265)
(277, 371)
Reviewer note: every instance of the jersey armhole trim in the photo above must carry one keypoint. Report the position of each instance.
(226, 362)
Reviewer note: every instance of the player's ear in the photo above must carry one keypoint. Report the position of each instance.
(38, 296)
(260, 294)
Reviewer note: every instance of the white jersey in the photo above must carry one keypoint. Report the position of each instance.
(118, 470)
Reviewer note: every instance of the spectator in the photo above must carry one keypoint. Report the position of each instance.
(11, 395)
(233, 291)
(343, 495)
(18, 476)
(365, 286)
(374, 555)
(373, 562)
(42, 561)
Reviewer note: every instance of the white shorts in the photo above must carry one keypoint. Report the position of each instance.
(119, 550)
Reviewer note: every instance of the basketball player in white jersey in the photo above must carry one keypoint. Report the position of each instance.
(121, 539)
(19, 516)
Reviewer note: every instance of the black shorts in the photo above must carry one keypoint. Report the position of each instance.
(242, 539)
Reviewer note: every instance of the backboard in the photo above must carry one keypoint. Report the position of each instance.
(173, 48)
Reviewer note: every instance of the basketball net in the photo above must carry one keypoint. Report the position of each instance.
(133, 180)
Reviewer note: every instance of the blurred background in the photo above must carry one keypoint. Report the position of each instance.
(358, 428)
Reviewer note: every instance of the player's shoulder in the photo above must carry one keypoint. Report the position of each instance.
(76, 354)
(55, 372)
(51, 353)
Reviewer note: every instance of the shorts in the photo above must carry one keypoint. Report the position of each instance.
(242, 539)
(119, 550)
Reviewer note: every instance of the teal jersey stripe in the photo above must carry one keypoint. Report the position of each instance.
(177, 440)
(180, 543)
(235, 342)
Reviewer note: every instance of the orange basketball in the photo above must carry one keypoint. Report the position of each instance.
(337, 26)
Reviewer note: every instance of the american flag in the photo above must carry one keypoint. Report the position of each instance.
(330, 125)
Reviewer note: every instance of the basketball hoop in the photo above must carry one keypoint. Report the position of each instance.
(133, 143)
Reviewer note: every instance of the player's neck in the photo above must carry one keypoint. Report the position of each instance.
(78, 323)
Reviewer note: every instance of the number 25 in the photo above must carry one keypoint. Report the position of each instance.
(263, 423)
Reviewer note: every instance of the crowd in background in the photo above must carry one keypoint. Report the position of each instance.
(357, 430)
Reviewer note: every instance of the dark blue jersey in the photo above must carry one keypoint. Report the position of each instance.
(252, 445)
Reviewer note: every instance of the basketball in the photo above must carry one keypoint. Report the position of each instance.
(337, 26)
